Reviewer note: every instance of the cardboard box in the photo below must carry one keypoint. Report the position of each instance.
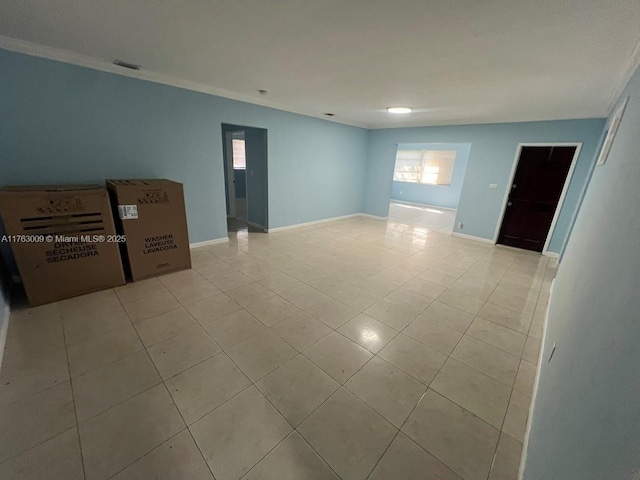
(151, 215)
(63, 239)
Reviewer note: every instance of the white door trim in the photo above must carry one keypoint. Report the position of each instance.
(565, 188)
(231, 189)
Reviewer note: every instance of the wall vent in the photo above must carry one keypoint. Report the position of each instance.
(130, 66)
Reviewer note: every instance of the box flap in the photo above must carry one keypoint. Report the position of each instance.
(139, 182)
(48, 188)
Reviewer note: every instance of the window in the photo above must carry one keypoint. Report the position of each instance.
(431, 167)
(239, 160)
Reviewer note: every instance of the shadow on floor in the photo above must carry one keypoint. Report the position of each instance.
(239, 225)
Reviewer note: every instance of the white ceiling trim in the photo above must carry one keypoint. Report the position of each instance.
(65, 56)
(633, 62)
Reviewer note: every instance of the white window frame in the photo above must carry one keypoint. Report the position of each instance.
(236, 154)
(422, 167)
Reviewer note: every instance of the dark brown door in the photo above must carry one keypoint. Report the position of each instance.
(534, 196)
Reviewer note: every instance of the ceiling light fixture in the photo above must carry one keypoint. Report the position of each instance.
(399, 109)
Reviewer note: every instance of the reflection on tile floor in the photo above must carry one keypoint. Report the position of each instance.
(422, 217)
(352, 349)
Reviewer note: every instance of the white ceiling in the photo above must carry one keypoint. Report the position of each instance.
(454, 61)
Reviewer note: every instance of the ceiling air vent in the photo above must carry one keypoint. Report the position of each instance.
(130, 66)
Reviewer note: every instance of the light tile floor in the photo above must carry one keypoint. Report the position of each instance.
(353, 349)
(431, 218)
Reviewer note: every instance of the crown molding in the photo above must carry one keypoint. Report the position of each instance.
(66, 56)
(624, 75)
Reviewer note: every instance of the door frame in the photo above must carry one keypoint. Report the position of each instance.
(565, 188)
(231, 185)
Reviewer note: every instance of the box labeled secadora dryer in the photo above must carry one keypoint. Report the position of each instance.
(63, 239)
(150, 214)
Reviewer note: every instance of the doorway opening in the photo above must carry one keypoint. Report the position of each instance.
(539, 182)
(427, 183)
(236, 175)
(246, 186)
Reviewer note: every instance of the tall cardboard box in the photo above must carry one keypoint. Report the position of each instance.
(63, 239)
(151, 215)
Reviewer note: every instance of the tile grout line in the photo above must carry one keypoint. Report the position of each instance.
(252, 384)
(449, 356)
(44, 390)
(73, 395)
(495, 453)
(460, 406)
(162, 381)
(405, 421)
(399, 430)
(495, 450)
(340, 385)
(374, 355)
(294, 430)
(150, 451)
(254, 280)
(513, 388)
(500, 432)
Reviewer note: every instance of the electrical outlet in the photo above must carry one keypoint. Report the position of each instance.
(460, 225)
(493, 186)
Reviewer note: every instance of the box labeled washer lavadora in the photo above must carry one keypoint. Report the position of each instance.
(151, 215)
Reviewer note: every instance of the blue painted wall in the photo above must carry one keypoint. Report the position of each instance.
(585, 423)
(439, 195)
(581, 195)
(257, 176)
(3, 306)
(493, 150)
(241, 183)
(4, 302)
(62, 123)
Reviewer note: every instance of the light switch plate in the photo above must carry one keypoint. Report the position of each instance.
(493, 186)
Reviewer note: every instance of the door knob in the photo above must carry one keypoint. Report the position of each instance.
(509, 204)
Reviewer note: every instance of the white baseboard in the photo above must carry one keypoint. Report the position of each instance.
(373, 217)
(534, 395)
(215, 241)
(315, 222)
(3, 331)
(287, 227)
(554, 258)
(393, 200)
(471, 237)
